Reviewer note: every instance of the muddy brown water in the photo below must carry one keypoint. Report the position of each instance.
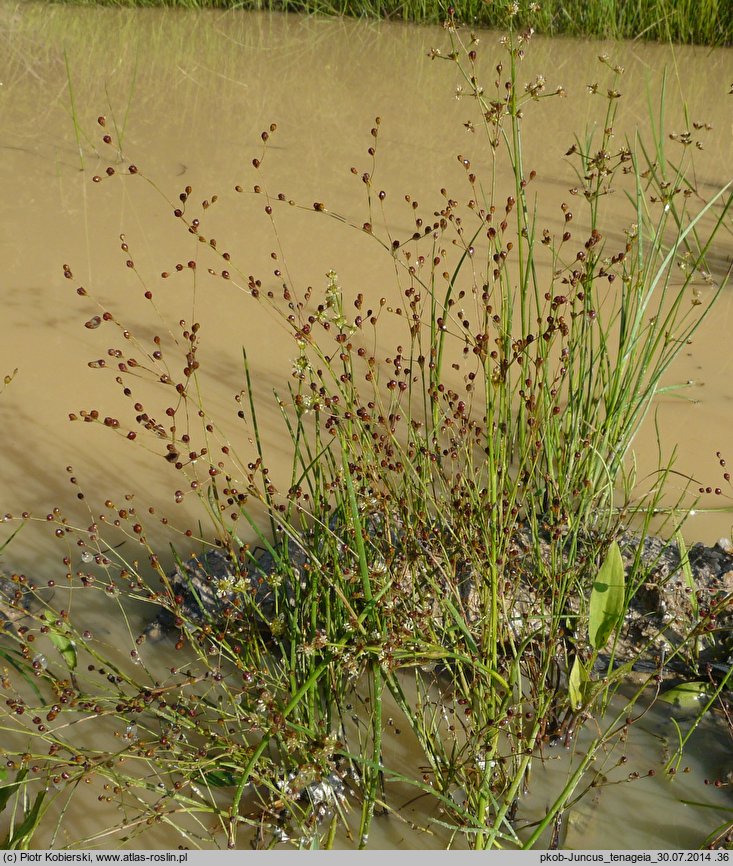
(188, 95)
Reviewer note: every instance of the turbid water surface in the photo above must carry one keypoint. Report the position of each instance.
(186, 96)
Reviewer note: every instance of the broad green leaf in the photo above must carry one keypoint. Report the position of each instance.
(577, 682)
(7, 791)
(62, 643)
(687, 571)
(607, 598)
(687, 695)
(22, 835)
(221, 779)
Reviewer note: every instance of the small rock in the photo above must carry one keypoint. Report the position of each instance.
(726, 545)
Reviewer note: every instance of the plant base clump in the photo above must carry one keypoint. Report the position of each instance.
(449, 549)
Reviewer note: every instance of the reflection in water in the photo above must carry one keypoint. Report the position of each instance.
(186, 97)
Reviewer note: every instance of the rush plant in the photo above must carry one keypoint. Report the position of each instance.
(447, 549)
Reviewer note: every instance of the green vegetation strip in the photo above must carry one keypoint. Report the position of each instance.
(445, 563)
(703, 22)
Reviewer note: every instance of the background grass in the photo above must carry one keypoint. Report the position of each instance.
(454, 565)
(706, 22)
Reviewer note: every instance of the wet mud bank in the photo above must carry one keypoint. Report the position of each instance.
(678, 623)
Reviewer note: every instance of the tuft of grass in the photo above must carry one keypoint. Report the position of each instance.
(446, 549)
(704, 22)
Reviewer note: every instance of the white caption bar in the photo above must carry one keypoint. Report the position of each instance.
(363, 858)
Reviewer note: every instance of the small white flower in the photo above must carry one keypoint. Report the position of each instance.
(224, 587)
